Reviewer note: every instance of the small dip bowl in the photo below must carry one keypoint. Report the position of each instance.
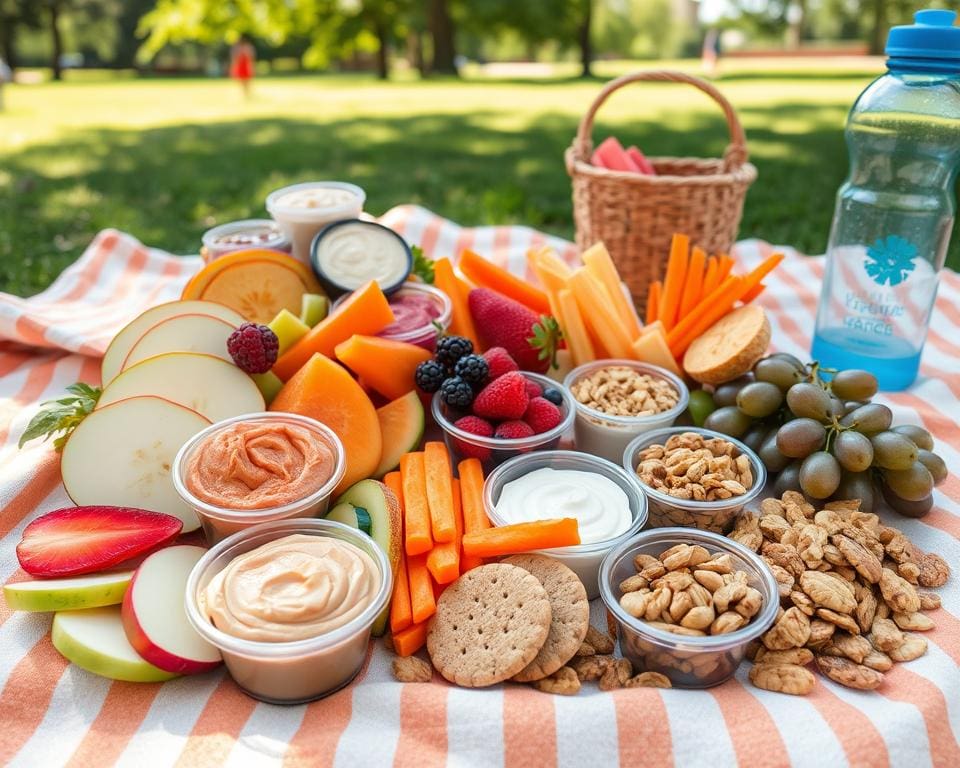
(343, 261)
(244, 235)
(425, 335)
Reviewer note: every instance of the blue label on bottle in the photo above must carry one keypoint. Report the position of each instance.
(890, 260)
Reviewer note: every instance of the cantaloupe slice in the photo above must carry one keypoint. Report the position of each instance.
(384, 364)
(258, 290)
(401, 426)
(730, 347)
(324, 390)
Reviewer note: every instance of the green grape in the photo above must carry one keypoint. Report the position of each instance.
(788, 480)
(893, 451)
(755, 436)
(857, 485)
(800, 437)
(700, 406)
(759, 399)
(918, 508)
(726, 394)
(854, 451)
(911, 484)
(796, 361)
(819, 475)
(851, 405)
(934, 464)
(869, 419)
(920, 437)
(837, 407)
(729, 420)
(808, 400)
(772, 459)
(775, 370)
(854, 385)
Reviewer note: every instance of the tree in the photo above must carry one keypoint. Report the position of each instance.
(584, 38)
(14, 15)
(54, 7)
(440, 24)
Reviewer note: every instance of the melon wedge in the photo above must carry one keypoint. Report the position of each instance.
(209, 385)
(182, 333)
(90, 591)
(401, 427)
(122, 343)
(122, 455)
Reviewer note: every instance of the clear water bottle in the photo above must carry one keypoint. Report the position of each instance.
(895, 212)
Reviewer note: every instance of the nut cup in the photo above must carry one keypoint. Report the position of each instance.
(584, 560)
(666, 510)
(298, 671)
(605, 435)
(219, 522)
(301, 223)
(689, 662)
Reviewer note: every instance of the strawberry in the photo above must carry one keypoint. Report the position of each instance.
(503, 399)
(541, 415)
(499, 362)
(502, 322)
(77, 540)
(513, 430)
(475, 426)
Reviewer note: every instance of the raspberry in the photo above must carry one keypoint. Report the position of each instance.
(429, 376)
(475, 426)
(554, 395)
(472, 368)
(253, 347)
(513, 430)
(452, 348)
(456, 392)
(500, 362)
(533, 389)
(503, 399)
(541, 415)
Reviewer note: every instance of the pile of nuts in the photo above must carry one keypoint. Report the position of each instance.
(848, 592)
(622, 391)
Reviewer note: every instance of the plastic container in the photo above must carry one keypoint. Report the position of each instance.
(689, 662)
(584, 560)
(895, 211)
(301, 220)
(244, 235)
(220, 522)
(493, 451)
(668, 510)
(302, 670)
(425, 335)
(606, 436)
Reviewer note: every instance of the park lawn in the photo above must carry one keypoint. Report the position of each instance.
(165, 159)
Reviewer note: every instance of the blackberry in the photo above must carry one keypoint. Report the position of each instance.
(553, 395)
(456, 393)
(429, 376)
(472, 368)
(452, 348)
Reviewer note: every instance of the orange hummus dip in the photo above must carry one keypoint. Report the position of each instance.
(259, 465)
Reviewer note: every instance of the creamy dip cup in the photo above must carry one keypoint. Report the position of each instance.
(348, 254)
(585, 558)
(302, 210)
(219, 519)
(301, 670)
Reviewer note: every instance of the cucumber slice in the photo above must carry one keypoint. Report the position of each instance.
(355, 517)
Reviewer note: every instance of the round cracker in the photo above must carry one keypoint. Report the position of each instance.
(570, 614)
(490, 623)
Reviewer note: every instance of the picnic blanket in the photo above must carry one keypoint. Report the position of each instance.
(53, 713)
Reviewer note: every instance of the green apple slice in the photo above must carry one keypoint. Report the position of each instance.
(95, 641)
(314, 307)
(289, 329)
(269, 384)
(91, 591)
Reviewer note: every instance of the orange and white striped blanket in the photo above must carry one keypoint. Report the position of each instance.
(52, 713)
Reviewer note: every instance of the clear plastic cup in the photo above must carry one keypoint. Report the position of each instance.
(666, 510)
(689, 662)
(584, 559)
(606, 435)
(493, 451)
(243, 235)
(219, 522)
(301, 670)
(302, 222)
(426, 335)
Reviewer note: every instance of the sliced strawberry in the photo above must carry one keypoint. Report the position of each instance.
(76, 540)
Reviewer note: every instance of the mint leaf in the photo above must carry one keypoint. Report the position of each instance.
(61, 416)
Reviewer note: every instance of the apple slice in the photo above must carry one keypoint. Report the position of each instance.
(154, 616)
(124, 340)
(182, 333)
(69, 594)
(94, 640)
(78, 540)
(209, 385)
(122, 453)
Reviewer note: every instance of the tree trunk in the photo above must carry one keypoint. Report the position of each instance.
(383, 48)
(442, 32)
(8, 48)
(56, 40)
(878, 32)
(584, 40)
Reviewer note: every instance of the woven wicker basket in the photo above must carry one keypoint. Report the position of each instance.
(636, 215)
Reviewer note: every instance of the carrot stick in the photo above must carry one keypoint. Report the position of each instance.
(724, 266)
(653, 301)
(711, 309)
(417, 538)
(436, 466)
(474, 515)
(754, 276)
(753, 293)
(401, 615)
(461, 322)
(693, 287)
(487, 274)
(410, 640)
(710, 281)
(443, 561)
(422, 602)
(522, 537)
(673, 281)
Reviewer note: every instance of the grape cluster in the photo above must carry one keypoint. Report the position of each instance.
(818, 432)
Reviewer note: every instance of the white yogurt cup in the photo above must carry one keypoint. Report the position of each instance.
(304, 209)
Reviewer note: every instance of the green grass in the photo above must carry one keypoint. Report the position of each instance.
(166, 159)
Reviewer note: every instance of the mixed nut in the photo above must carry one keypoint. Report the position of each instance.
(622, 391)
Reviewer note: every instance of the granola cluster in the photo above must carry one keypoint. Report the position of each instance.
(622, 391)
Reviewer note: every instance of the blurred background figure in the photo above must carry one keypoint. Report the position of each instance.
(242, 60)
(5, 76)
(710, 55)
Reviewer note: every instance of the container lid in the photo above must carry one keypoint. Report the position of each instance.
(932, 38)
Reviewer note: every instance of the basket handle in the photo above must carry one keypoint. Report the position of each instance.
(735, 154)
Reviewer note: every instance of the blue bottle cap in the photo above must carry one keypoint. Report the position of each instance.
(930, 44)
